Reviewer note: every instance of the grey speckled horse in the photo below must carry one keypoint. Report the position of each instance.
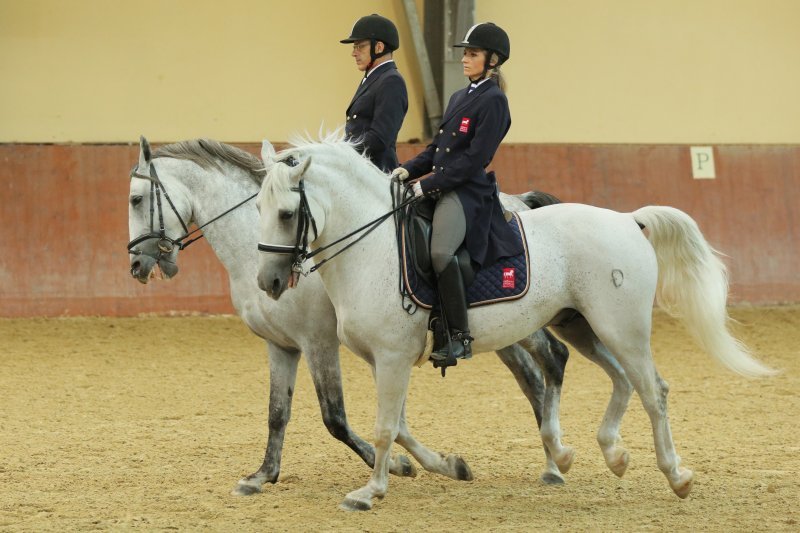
(201, 179)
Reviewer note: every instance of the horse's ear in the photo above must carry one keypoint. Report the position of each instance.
(145, 154)
(267, 150)
(304, 166)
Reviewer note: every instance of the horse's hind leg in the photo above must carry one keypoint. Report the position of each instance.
(282, 375)
(542, 353)
(631, 343)
(580, 335)
(327, 376)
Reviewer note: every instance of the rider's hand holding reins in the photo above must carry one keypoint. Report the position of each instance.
(400, 174)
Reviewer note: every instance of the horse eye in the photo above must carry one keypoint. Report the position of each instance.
(136, 200)
(285, 215)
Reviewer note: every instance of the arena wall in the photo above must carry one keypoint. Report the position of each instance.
(606, 99)
(63, 222)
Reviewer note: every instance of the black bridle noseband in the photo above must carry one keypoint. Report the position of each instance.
(166, 244)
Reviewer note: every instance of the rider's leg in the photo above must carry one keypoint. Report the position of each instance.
(449, 230)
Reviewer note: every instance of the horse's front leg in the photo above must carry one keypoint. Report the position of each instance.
(391, 377)
(552, 356)
(545, 354)
(327, 375)
(282, 376)
(450, 465)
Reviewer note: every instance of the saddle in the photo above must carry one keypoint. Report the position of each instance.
(418, 239)
(507, 279)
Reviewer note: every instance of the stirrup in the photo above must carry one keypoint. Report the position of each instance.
(459, 347)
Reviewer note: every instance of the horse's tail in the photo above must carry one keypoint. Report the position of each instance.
(693, 286)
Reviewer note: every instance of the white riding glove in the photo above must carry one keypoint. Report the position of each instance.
(400, 173)
(417, 188)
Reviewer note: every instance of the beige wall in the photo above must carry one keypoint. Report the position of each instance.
(607, 71)
(235, 70)
(652, 71)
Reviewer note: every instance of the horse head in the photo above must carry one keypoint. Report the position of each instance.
(290, 221)
(154, 220)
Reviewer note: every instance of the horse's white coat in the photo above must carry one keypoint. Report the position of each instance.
(302, 322)
(593, 260)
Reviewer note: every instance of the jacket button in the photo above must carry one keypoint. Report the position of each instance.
(447, 149)
(348, 117)
(438, 150)
(454, 133)
(354, 116)
(434, 167)
(441, 131)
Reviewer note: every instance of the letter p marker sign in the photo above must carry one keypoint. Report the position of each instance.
(703, 162)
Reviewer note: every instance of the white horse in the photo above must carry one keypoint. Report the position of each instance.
(594, 261)
(202, 179)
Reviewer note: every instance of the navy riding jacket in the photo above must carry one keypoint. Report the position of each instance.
(471, 130)
(376, 113)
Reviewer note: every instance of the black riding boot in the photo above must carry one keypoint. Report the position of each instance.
(453, 296)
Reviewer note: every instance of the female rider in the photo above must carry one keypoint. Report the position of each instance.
(468, 209)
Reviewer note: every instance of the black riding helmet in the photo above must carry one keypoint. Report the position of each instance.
(375, 28)
(488, 36)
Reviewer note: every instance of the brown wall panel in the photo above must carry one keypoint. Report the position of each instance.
(63, 219)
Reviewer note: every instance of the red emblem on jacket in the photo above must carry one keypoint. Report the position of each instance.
(464, 125)
(508, 278)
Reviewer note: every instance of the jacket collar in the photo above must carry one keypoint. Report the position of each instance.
(379, 71)
(463, 99)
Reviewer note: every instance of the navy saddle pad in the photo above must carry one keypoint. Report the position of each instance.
(507, 279)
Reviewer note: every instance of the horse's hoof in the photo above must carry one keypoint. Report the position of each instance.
(355, 503)
(683, 486)
(403, 467)
(619, 465)
(551, 478)
(460, 468)
(245, 489)
(564, 462)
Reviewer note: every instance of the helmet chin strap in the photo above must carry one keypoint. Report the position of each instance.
(486, 68)
(373, 56)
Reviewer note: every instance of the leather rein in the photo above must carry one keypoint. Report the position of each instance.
(300, 252)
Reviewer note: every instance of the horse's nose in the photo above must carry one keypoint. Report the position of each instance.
(271, 285)
(136, 267)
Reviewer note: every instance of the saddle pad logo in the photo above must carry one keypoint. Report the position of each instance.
(464, 128)
(508, 278)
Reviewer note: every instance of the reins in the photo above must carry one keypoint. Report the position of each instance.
(300, 249)
(371, 225)
(167, 244)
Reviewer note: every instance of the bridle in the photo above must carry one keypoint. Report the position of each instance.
(305, 221)
(165, 244)
(299, 251)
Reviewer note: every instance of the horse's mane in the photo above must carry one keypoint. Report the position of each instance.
(333, 139)
(207, 153)
(277, 184)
